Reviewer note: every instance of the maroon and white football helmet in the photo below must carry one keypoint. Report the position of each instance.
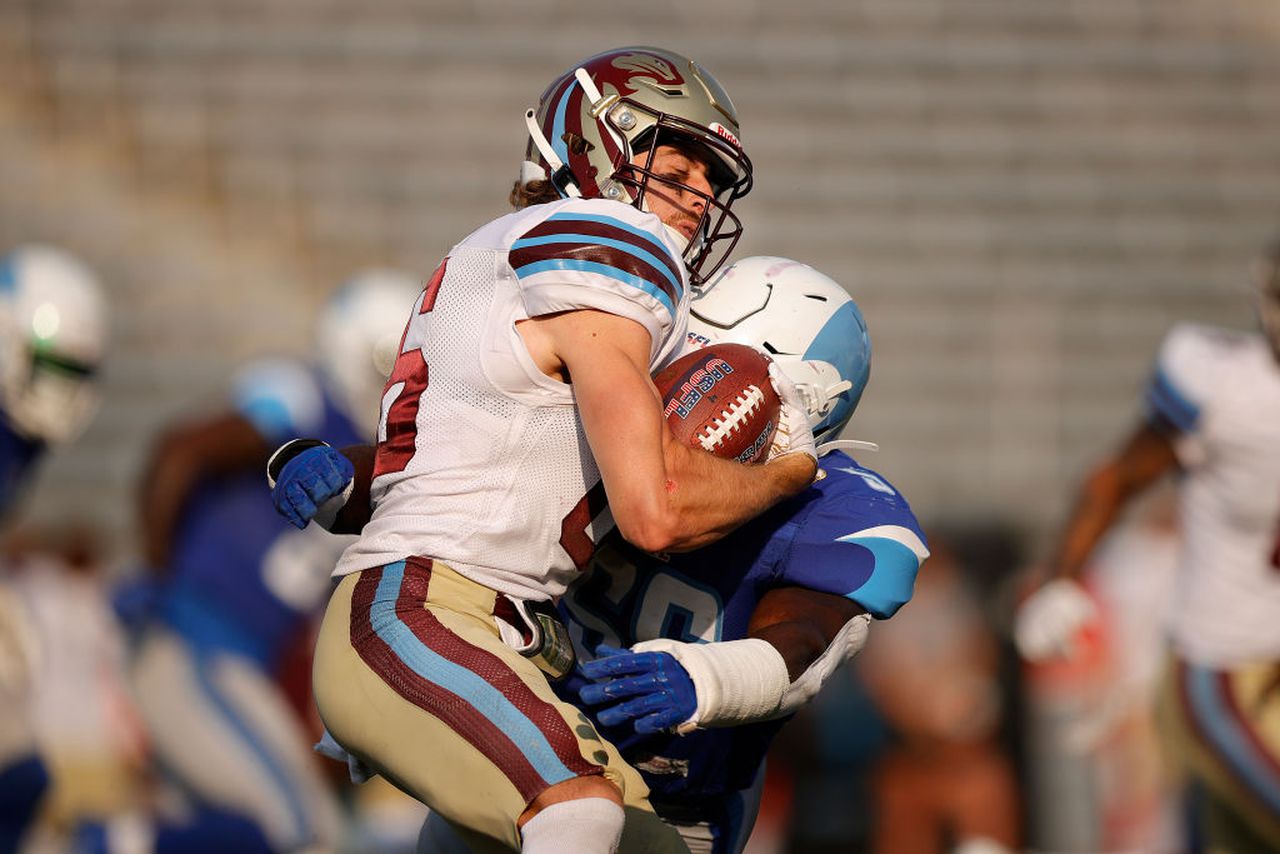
(594, 119)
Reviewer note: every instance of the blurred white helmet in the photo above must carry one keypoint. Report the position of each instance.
(807, 322)
(53, 338)
(357, 339)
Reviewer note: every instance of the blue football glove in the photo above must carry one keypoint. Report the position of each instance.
(650, 688)
(136, 600)
(307, 481)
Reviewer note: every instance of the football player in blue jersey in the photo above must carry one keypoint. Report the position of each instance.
(726, 641)
(234, 586)
(705, 654)
(53, 332)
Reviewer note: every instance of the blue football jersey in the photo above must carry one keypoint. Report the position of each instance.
(850, 533)
(242, 577)
(18, 456)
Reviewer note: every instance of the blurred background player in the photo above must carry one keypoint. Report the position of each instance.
(521, 398)
(235, 586)
(1213, 415)
(53, 336)
(943, 781)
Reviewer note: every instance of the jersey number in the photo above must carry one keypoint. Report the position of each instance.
(574, 537)
(398, 427)
(609, 607)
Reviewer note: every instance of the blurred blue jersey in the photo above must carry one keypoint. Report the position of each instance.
(241, 578)
(18, 456)
(851, 533)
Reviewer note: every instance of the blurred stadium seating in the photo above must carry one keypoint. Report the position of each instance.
(1024, 196)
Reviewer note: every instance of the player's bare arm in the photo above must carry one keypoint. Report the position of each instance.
(801, 623)
(1146, 456)
(664, 496)
(1047, 623)
(356, 512)
(179, 460)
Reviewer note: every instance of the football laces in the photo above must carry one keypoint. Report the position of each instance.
(732, 417)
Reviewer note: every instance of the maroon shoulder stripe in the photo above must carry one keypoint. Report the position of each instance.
(607, 255)
(568, 224)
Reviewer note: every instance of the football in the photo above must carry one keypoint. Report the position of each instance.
(720, 399)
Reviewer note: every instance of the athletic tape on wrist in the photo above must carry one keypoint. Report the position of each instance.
(736, 682)
(745, 681)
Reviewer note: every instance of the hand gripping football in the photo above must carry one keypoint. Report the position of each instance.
(720, 399)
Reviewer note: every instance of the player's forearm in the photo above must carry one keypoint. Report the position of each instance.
(799, 643)
(709, 497)
(801, 623)
(1096, 509)
(356, 512)
(690, 498)
(1145, 458)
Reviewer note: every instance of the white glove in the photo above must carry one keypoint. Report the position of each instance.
(1047, 624)
(794, 435)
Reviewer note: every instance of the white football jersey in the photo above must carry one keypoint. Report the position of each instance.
(482, 461)
(1221, 391)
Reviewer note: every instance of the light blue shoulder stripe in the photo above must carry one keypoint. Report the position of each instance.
(603, 269)
(630, 248)
(466, 684)
(1166, 399)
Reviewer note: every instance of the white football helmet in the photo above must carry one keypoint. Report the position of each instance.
(807, 322)
(1267, 294)
(53, 338)
(357, 339)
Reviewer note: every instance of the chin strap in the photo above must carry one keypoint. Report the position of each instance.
(561, 177)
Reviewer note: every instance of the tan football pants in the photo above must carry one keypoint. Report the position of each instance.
(412, 678)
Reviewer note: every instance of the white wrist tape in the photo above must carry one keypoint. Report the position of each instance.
(745, 681)
(736, 681)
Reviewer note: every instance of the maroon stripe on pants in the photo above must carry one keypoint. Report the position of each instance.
(1246, 725)
(1201, 733)
(463, 718)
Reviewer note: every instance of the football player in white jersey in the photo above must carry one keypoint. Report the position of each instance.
(1213, 415)
(521, 399)
(53, 335)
